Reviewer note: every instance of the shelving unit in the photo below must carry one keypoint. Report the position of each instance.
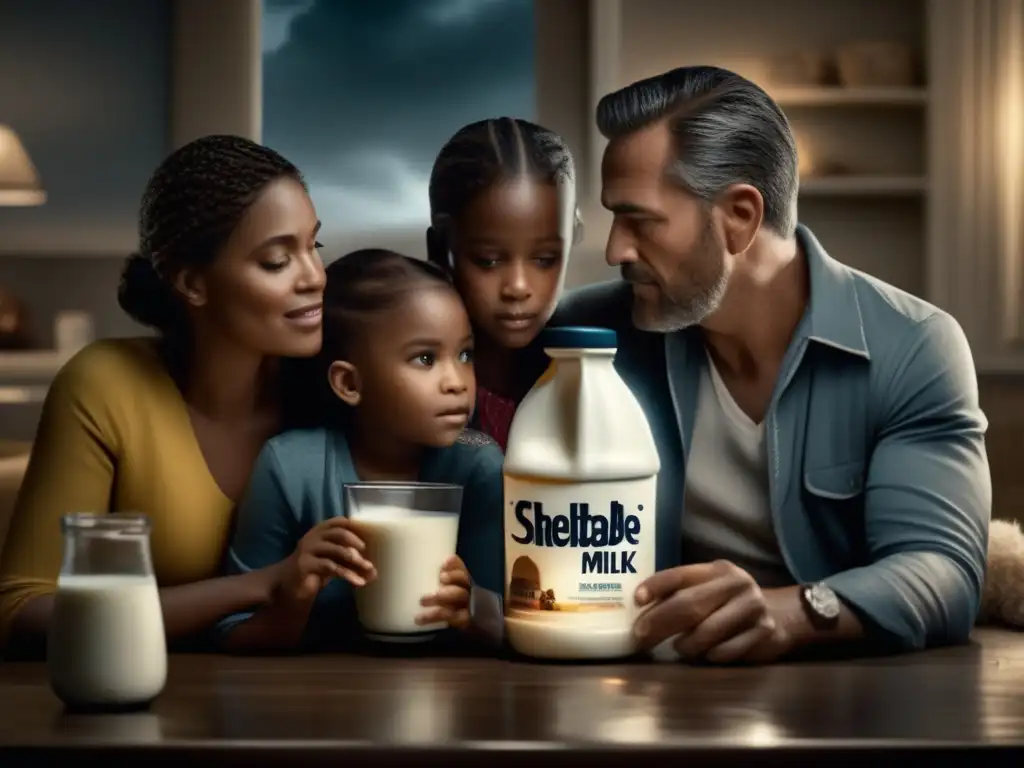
(31, 365)
(873, 215)
(25, 376)
(865, 186)
(835, 96)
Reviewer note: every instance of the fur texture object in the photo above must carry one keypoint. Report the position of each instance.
(1002, 601)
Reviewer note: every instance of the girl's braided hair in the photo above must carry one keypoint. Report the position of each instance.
(483, 154)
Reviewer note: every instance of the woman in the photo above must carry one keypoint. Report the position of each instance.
(504, 217)
(229, 276)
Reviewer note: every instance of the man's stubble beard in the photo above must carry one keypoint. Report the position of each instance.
(707, 284)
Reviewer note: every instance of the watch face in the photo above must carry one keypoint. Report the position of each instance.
(823, 601)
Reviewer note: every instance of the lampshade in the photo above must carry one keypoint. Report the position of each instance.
(19, 180)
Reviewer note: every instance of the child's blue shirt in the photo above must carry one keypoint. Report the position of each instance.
(298, 482)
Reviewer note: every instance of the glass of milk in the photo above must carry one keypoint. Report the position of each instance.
(106, 648)
(409, 529)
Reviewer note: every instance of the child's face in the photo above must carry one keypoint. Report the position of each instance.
(508, 260)
(414, 369)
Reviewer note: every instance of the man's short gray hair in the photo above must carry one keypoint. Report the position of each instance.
(726, 131)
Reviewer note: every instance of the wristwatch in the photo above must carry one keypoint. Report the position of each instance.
(821, 604)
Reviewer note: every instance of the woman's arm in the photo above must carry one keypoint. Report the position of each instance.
(188, 610)
(74, 458)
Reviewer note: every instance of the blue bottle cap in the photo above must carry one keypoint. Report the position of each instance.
(578, 337)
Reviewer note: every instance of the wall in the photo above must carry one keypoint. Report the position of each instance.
(1002, 397)
(563, 87)
(562, 105)
(86, 85)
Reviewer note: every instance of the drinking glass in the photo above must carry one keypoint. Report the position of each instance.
(409, 529)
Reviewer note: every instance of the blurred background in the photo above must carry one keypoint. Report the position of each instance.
(909, 116)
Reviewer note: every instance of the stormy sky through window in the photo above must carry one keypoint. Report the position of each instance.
(362, 95)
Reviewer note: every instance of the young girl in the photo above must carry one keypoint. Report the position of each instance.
(397, 379)
(503, 219)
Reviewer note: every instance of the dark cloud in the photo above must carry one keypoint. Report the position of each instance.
(283, 5)
(398, 76)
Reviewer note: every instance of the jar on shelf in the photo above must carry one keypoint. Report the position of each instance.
(875, 65)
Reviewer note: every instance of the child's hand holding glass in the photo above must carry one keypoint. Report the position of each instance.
(330, 550)
(451, 601)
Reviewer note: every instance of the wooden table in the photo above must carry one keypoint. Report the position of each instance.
(347, 711)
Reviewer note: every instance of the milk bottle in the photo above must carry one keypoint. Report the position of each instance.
(581, 473)
(106, 647)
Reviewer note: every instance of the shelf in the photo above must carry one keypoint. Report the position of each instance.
(864, 186)
(34, 364)
(83, 254)
(850, 97)
(30, 395)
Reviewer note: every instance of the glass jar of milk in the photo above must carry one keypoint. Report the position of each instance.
(106, 646)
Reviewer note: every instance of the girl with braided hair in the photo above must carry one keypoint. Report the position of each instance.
(503, 220)
(229, 276)
(395, 388)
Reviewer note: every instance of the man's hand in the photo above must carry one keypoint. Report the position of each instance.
(451, 601)
(718, 612)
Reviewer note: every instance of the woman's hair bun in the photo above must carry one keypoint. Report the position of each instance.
(145, 295)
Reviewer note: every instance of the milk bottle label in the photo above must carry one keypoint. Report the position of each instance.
(576, 552)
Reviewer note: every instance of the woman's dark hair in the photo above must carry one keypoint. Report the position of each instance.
(192, 204)
(483, 154)
(360, 285)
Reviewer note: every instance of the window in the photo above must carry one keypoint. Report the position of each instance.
(362, 95)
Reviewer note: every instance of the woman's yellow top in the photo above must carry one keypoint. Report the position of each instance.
(115, 435)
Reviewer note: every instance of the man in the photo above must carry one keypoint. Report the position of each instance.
(822, 446)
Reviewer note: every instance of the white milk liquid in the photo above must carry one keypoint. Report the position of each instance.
(581, 476)
(106, 642)
(408, 548)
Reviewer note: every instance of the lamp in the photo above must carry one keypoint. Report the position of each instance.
(19, 186)
(19, 180)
